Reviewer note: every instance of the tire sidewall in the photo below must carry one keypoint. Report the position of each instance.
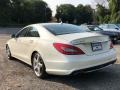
(43, 72)
(8, 56)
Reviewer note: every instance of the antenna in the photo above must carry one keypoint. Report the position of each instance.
(61, 22)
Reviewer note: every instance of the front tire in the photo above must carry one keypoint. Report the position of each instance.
(38, 66)
(9, 56)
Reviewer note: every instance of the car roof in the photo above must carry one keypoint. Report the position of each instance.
(108, 24)
(45, 24)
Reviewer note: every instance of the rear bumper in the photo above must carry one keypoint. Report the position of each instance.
(93, 68)
(70, 64)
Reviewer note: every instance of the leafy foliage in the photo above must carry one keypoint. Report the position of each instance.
(24, 11)
(111, 15)
(84, 14)
(66, 13)
(102, 14)
(114, 6)
(69, 13)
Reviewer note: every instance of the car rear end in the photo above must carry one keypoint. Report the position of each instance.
(82, 54)
(75, 50)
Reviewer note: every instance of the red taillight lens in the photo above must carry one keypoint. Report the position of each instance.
(68, 49)
(111, 45)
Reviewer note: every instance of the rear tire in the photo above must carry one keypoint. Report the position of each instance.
(9, 56)
(114, 41)
(38, 66)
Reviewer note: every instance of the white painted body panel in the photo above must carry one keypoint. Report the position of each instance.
(56, 62)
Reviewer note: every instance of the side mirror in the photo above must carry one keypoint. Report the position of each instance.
(117, 28)
(13, 36)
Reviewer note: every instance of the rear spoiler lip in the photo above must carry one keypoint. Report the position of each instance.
(90, 42)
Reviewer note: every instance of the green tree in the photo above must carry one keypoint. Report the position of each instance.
(84, 14)
(24, 12)
(102, 14)
(111, 15)
(88, 14)
(5, 11)
(66, 13)
(58, 14)
(18, 10)
(114, 6)
(42, 12)
(29, 11)
(80, 14)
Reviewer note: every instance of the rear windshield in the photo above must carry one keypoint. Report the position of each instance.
(118, 25)
(60, 29)
(89, 28)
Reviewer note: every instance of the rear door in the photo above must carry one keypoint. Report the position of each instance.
(30, 42)
(26, 43)
(19, 43)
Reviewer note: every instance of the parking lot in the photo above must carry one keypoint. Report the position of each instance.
(15, 75)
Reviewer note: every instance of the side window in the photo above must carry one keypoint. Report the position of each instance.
(22, 33)
(105, 27)
(97, 29)
(111, 26)
(32, 32)
(101, 26)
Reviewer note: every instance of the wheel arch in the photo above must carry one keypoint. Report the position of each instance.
(35, 51)
(6, 45)
(32, 56)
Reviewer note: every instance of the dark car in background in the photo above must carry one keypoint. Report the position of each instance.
(118, 25)
(114, 36)
(111, 28)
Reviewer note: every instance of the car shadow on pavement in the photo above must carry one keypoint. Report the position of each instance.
(21, 62)
(105, 79)
(117, 43)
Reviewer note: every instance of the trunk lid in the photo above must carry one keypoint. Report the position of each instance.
(90, 43)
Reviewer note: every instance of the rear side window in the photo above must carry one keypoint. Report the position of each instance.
(118, 25)
(22, 33)
(98, 29)
(103, 26)
(111, 26)
(32, 32)
(28, 32)
(60, 29)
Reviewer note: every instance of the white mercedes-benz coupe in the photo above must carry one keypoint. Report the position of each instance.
(60, 49)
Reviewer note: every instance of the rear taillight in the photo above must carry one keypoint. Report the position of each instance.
(111, 45)
(68, 49)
